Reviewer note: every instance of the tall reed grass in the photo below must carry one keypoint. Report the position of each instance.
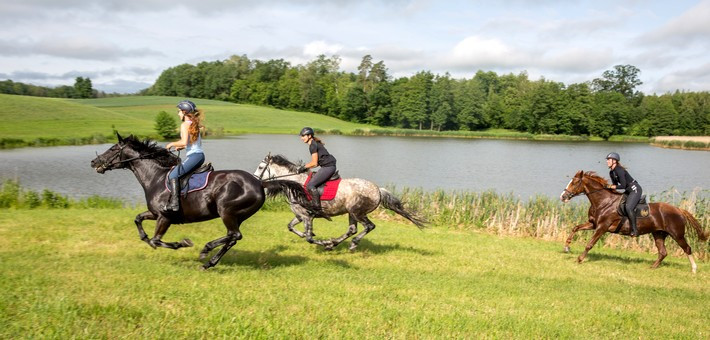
(543, 217)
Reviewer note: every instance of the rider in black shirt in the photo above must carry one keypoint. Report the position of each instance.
(319, 157)
(623, 181)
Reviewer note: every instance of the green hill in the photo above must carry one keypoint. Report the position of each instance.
(41, 121)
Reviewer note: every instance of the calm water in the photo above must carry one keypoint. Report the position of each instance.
(523, 168)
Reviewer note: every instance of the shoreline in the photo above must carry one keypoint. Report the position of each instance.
(695, 143)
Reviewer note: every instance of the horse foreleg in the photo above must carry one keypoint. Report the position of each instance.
(308, 224)
(660, 239)
(584, 226)
(161, 227)
(334, 242)
(146, 215)
(597, 235)
(291, 226)
(368, 225)
(230, 240)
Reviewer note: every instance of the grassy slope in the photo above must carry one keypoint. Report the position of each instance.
(29, 118)
(66, 273)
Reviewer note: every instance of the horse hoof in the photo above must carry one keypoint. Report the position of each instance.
(152, 244)
(187, 243)
(566, 249)
(203, 256)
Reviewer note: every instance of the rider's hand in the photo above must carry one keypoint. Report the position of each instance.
(609, 186)
(301, 169)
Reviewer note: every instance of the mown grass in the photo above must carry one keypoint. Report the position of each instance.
(83, 273)
(35, 121)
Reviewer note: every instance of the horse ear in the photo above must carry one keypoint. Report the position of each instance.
(579, 174)
(120, 139)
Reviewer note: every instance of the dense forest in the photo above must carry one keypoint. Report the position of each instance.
(606, 106)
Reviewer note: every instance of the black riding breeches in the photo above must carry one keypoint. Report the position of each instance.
(321, 177)
(633, 197)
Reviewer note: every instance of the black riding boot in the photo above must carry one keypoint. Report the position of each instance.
(174, 202)
(632, 222)
(316, 208)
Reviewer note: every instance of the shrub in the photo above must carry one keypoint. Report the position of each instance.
(165, 125)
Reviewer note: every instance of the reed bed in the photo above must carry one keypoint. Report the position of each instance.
(543, 217)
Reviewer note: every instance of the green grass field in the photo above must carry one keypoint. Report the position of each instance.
(83, 273)
(68, 120)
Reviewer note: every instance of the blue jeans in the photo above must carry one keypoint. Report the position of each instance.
(191, 162)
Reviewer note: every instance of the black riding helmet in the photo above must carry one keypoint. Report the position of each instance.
(614, 155)
(307, 131)
(187, 106)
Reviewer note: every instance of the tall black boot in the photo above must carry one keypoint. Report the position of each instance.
(174, 202)
(316, 208)
(632, 222)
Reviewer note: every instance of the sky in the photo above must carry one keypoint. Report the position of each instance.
(124, 45)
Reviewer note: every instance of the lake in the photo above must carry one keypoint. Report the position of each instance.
(523, 168)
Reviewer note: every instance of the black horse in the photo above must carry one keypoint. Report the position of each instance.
(233, 195)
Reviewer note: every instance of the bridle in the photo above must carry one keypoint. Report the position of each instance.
(110, 164)
(267, 168)
(571, 195)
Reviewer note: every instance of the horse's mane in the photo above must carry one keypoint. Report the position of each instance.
(152, 150)
(282, 161)
(593, 176)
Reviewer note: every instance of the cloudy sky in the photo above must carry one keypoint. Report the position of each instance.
(124, 45)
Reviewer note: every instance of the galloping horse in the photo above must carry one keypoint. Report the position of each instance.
(355, 197)
(663, 220)
(233, 195)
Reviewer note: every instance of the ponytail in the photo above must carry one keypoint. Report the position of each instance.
(194, 129)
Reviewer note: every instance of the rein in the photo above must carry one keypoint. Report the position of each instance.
(266, 161)
(110, 163)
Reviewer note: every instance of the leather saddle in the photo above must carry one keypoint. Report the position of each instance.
(641, 209)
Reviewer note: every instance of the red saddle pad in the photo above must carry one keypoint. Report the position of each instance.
(331, 188)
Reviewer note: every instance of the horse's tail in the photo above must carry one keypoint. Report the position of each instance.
(293, 190)
(702, 235)
(391, 202)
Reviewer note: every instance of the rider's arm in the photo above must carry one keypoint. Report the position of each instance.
(182, 143)
(314, 161)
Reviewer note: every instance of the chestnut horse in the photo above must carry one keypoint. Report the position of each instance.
(663, 220)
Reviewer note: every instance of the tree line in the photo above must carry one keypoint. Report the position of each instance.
(82, 89)
(606, 106)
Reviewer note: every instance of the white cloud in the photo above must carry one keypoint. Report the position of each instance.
(316, 48)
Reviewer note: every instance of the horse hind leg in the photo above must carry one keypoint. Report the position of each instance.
(368, 227)
(686, 248)
(229, 241)
(660, 239)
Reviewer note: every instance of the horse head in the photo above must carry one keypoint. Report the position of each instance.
(275, 166)
(583, 183)
(574, 187)
(128, 149)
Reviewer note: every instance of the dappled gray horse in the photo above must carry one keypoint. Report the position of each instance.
(355, 197)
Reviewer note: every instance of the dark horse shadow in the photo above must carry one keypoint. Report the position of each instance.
(624, 259)
(386, 248)
(266, 259)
